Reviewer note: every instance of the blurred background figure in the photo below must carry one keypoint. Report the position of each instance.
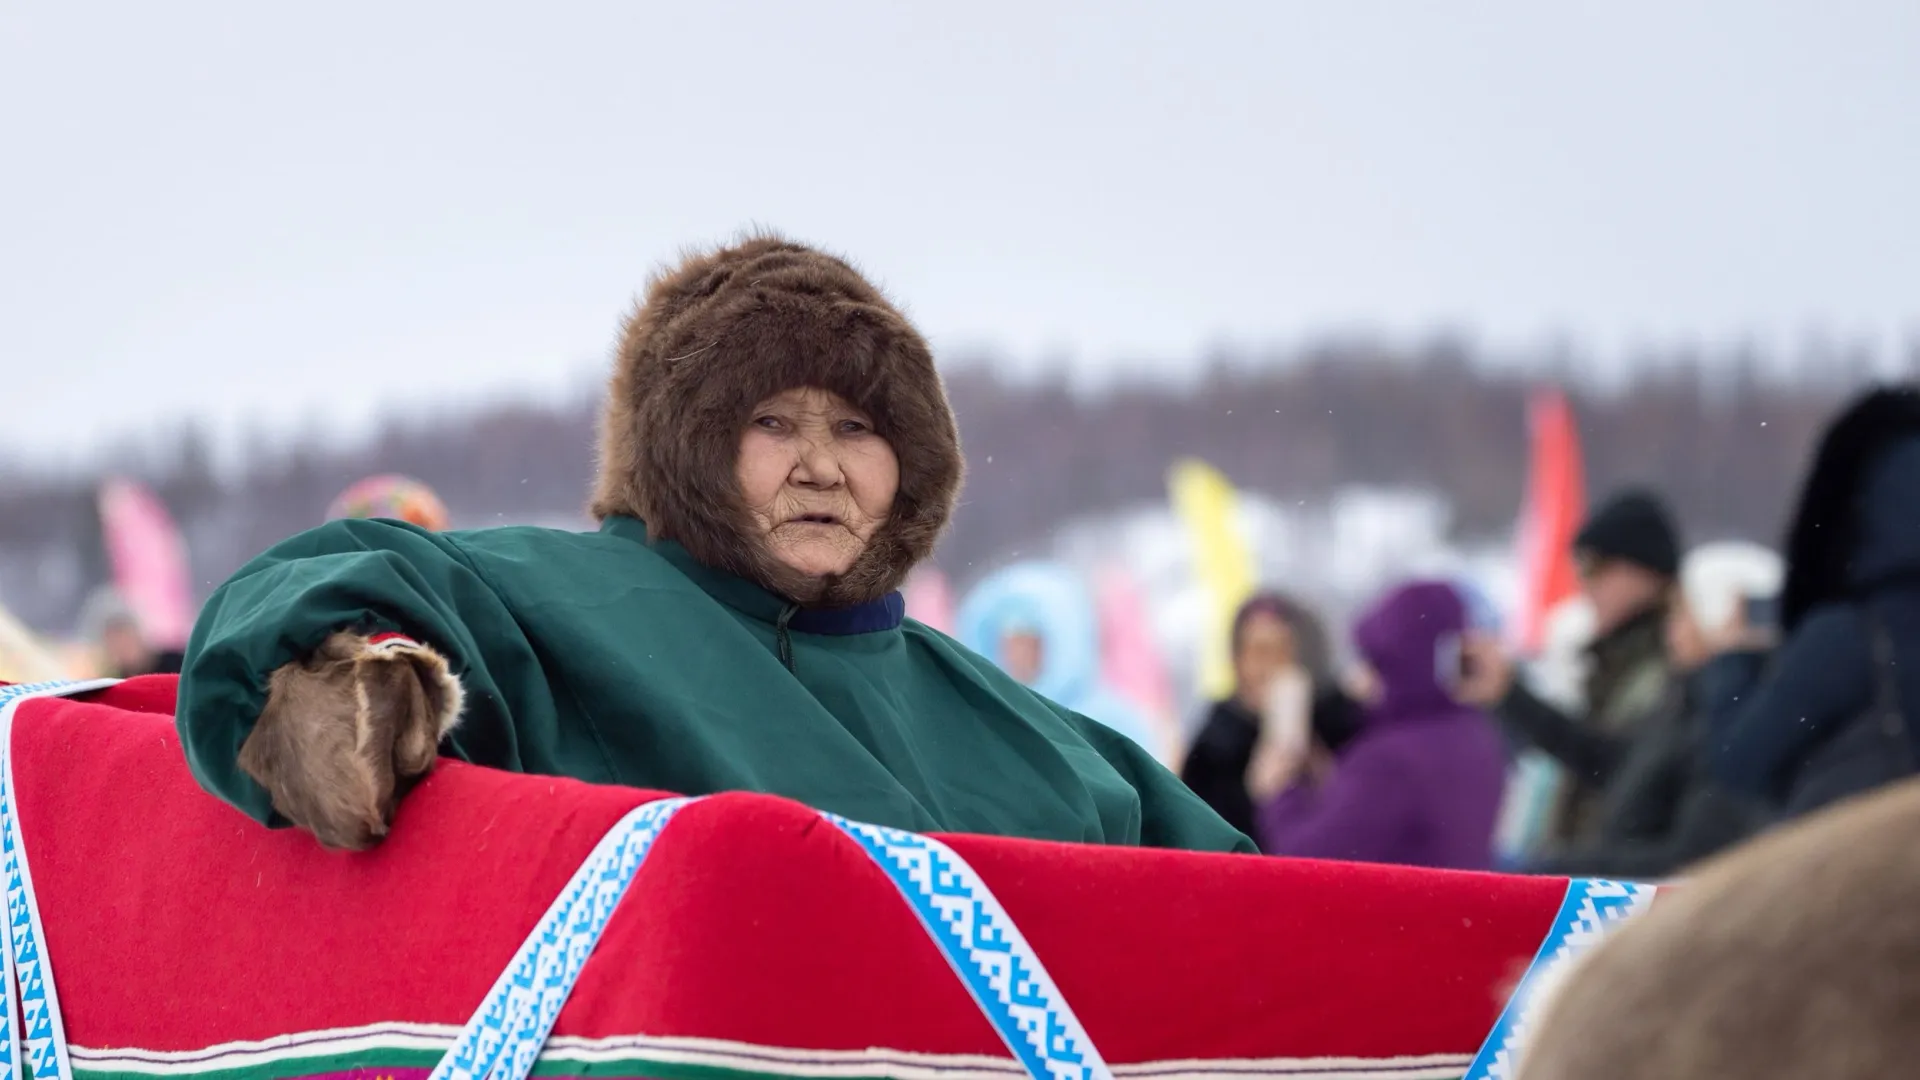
(1628, 557)
(1660, 810)
(1271, 635)
(1037, 621)
(395, 497)
(122, 647)
(1831, 717)
(1420, 782)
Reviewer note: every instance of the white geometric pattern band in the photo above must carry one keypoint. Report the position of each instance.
(987, 951)
(1591, 909)
(504, 1037)
(37, 1038)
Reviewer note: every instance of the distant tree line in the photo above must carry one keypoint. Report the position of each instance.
(1723, 440)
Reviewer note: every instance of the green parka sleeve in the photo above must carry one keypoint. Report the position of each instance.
(367, 576)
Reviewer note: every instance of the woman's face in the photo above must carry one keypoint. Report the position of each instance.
(1266, 648)
(817, 479)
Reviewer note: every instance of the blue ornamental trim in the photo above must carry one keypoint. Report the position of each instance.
(505, 1036)
(39, 1039)
(1592, 909)
(986, 950)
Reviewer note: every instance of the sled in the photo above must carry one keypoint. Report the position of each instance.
(520, 925)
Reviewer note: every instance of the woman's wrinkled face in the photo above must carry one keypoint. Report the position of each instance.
(817, 479)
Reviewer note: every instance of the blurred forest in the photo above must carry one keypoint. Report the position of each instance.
(1725, 440)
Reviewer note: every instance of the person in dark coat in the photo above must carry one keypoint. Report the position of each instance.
(124, 648)
(1659, 813)
(1421, 782)
(1271, 633)
(1629, 557)
(1827, 718)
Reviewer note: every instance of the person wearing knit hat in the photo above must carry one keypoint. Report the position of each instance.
(394, 497)
(1633, 527)
(1628, 554)
(776, 455)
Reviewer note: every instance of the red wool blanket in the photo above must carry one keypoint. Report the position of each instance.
(756, 941)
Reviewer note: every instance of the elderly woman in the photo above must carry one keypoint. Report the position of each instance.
(777, 453)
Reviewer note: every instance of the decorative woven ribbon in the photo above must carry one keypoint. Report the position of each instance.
(38, 1038)
(505, 1036)
(503, 1039)
(1591, 909)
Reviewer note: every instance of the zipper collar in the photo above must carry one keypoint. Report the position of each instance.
(886, 613)
(782, 637)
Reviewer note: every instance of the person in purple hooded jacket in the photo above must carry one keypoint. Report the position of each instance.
(1421, 782)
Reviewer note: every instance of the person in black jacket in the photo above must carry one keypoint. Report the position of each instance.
(1659, 811)
(1629, 557)
(1827, 719)
(1271, 633)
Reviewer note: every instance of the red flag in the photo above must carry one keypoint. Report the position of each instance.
(1556, 502)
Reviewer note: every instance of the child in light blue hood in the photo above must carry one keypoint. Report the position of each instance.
(1038, 622)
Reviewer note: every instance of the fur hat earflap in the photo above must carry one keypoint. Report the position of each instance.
(727, 329)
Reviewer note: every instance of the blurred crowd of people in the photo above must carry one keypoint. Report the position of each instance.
(118, 640)
(1703, 714)
(1691, 732)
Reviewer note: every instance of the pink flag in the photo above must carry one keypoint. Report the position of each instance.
(149, 562)
(1130, 663)
(929, 599)
(1556, 500)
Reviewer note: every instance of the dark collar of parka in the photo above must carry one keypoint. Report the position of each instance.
(751, 600)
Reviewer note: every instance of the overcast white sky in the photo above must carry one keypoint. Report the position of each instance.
(269, 213)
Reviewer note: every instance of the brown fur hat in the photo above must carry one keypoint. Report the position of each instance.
(727, 329)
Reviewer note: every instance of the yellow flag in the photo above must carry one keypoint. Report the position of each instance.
(1208, 506)
(22, 658)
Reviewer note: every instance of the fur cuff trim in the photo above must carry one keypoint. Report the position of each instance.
(444, 688)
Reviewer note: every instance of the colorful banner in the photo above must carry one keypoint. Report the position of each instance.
(1208, 506)
(1555, 504)
(23, 658)
(149, 561)
(930, 599)
(1130, 661)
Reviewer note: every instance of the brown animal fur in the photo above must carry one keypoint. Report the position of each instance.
(730, 328)
(1796, 956)
(346, 731)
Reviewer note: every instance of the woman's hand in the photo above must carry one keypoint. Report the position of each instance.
(1283, 748)
(346, 731)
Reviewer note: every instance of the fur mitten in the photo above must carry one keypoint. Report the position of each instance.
(348, 730)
